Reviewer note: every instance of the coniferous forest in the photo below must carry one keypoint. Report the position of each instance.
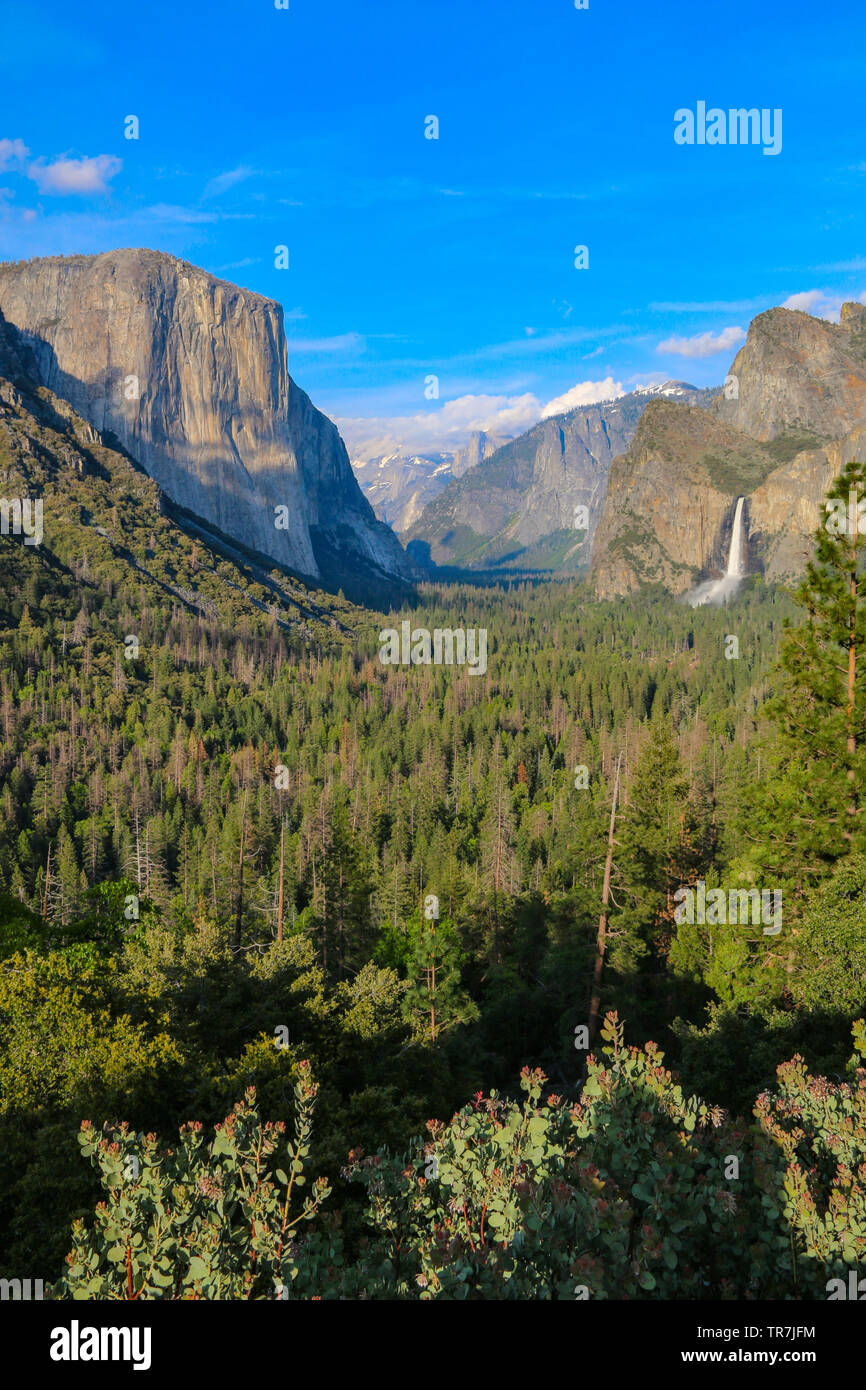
(341, 980)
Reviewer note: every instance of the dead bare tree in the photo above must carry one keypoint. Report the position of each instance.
(601, 938)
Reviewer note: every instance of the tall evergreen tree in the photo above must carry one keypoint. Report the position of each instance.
(346, 929)
(659, 846)
(810, 811)
(434, 1000)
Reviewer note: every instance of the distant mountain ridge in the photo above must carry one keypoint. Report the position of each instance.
(516, 509)
(189, 375)
(399, 484)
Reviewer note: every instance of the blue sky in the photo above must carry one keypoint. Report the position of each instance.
(412, 257)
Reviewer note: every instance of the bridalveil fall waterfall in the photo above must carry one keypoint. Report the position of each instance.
(717, 590)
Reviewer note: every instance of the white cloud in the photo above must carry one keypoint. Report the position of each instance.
(819, 303)
(75, 176)
(239, 265)
(808, 301)
(443, 430)
(449, 428)
(584, 393)
(12, 154)
(645, 383)
(703, 344)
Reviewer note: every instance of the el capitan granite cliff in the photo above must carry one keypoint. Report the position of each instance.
(189, 374)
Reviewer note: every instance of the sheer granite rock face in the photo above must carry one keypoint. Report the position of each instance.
(794, 413)
(663, 514)
(190, 375)
(798, 373)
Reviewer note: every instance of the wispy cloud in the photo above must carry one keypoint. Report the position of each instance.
(858, 263)
(223, 182)
(176, 212)
(75, 177)
(703, 344)
(539, 343)
(821, 304)
(343, 342)
(709, 306)
(239, 265)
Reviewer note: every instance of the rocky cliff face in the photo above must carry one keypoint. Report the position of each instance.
(189, 374)
(793, 412)
(798, 373)
(517, 507)
(101, 518)
(664, 509)
(480, 447)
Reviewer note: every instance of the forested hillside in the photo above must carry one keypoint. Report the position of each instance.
(233, 856)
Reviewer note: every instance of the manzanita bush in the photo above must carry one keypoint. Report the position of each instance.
(818, 1174)
(204, 1219)
(635, 1191)
(620, 1195)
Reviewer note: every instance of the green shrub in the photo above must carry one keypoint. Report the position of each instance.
(207, 1220)
(636, 1191)
(817, 1176)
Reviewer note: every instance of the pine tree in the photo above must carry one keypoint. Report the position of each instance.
(65, 903)
(807, 812)
(658, 845)
(346, 928)
(499, 868)
(434, 1000)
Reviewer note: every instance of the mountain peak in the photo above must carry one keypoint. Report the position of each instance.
(666, 388)
(794, 407)
(853, 315)
(798, 374)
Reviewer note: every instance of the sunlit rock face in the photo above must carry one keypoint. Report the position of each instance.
(190, 375)
(792, 413)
